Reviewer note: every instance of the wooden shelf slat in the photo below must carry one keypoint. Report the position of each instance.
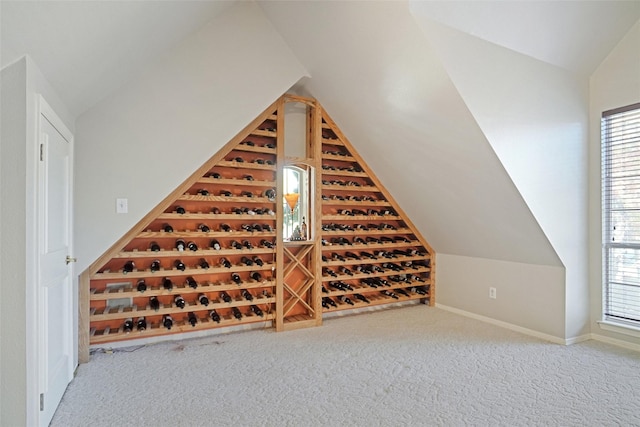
(361, 218)
(214, 217)
(390, 245)
(261, 132)
(353, 203)
(363, 289)
(194, 234)
(330, 141)
(351, 261)
(255, 149)
(351, 188)
(106, 336)
(344, 173)
(245, 165)
(232, 181)
(338, 157)
(361, 233)
(374, 302)
(234, 199)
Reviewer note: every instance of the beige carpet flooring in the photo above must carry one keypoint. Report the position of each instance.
(412, 366)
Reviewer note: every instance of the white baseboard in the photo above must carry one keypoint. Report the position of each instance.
(510, 326)
(616, 342)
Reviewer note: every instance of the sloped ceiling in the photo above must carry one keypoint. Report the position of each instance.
(87, 49)
(377, 74)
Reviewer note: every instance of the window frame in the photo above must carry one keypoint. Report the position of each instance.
(613, 313)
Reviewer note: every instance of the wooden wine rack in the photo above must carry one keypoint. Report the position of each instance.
(231, 194)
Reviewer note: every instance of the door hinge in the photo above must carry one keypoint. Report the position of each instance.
(42, 401)
(41, 152)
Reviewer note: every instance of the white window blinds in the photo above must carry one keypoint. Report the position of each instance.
(621, 214)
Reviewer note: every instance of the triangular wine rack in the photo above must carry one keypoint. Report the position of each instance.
(366, 251)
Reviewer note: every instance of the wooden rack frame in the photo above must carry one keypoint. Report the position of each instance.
(296, 281)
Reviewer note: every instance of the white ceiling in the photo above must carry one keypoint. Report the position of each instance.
(87, 49)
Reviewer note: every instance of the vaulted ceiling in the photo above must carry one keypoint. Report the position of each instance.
(381, 70)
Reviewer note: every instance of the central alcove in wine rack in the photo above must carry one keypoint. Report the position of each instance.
(279, 227)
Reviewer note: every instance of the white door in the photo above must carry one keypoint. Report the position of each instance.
(54, 269)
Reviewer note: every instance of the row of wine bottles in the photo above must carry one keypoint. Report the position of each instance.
(270, 145)
(343, 183)
(352, 168)
(168, 284)
(130, 266)
(226, 228)
(350, 197)
(332, 226)
(367, 240)
(258, 161)
(203, 299)
(167, 320)
(396, 253)
(181, 245)
(328, 302)
(374, 282)
(269, 193)
(385, 267)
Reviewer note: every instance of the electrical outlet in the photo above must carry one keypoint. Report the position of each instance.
(492, 293)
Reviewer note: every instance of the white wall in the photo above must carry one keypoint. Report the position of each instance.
(528, 296)
(21, 83)
(150, 135)
(615, 83)
(535, 117)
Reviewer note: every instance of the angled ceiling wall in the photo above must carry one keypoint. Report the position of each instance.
(387, 88)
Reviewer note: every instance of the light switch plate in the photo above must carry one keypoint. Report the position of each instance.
(122, 206)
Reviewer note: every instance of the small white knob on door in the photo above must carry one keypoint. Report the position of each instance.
(70, 259)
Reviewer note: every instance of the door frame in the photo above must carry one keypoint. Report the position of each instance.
(34, 318)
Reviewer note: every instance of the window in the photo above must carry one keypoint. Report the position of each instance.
(621, 214)
(296, 203)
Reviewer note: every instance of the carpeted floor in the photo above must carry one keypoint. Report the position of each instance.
(411, 366)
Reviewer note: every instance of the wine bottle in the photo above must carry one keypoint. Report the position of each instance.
(246, 227)
(362, 298)
(325, 304)
(325, 290)
(345, 270)
(359, 241)
(329, 301)
(258, 261)
(202, 299)
(167, 284)
(141, 286)
(226, 193)
(368, 255)
(389, 294)
(270, 193)
(236, 313)
(191, 282)
(225, 227)
(225, 296)
(154, 304)
(352, 255)
(214, 316)
(179, 265)
(215, 175)
(215, 245)
(180, 245)
(225, 263)
(256, 227)
(248, 177)
(235, 244)
(336, 256)
(256, 276)
(419, 290)
(247, 244)
(141, 324)
(246, 193)
(255, 309)
(346, 299)
(167, 321)
(203, 192)
(154, 247)
(236, 278)
(246, 261)
(128, 325)
(179, 301)
(303, 229)
(180, 210)
(129, 266)
(266, 244)
(203, 263)
(416, 278)
(192, 246)
(204, 228)
(247, 295)
(191, 317)
(215, 210)
(402, 292)
(328, 272)
(167, 228)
